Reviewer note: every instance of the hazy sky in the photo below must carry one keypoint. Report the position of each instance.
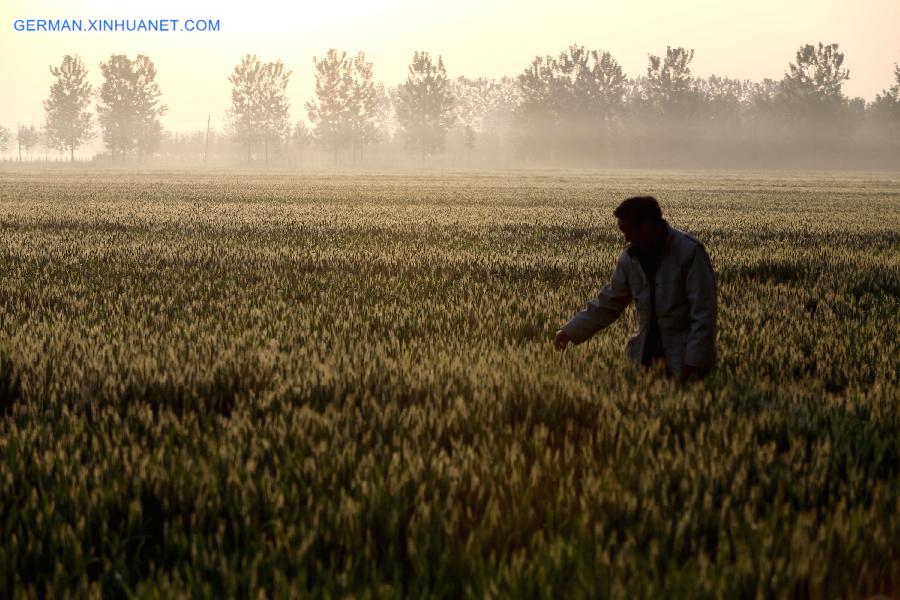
(745, 39)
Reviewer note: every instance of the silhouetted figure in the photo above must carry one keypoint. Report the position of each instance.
(671, 280)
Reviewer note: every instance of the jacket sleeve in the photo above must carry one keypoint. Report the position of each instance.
(605, 308)
(700, 350)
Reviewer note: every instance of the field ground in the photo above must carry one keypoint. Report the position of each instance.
(220, 383)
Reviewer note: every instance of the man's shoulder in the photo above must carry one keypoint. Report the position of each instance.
(685, 239)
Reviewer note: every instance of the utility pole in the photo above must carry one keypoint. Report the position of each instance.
(206, 150)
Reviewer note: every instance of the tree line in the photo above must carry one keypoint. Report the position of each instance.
(576, 107)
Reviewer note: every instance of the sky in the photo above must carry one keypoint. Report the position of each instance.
(744, 39)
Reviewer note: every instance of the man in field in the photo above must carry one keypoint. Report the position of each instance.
(671, 280)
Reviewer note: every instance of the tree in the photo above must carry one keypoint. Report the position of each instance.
(570, 103)
(722, 97)
(425, 105)
(4, 138)
(260, 109)
(592, 87)
(483, 109)
(887, 103)
(724, 105)
(593, 80)
(328, 112)
(68, 124)
(472, 101)
(51, 144)
(245, 114)
(670, 88)
(815, 116)
(27, 137)
(669, 107)
(538, 114)
(129, 108)
(366, 105)
(349, 108)
(274, 105)
(885, 116)
(813, 85)
(497, 125)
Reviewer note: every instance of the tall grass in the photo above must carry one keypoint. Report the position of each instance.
(328, 384)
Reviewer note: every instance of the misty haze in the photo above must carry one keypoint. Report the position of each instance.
(576, 108)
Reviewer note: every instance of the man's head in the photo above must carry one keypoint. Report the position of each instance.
(640, 219)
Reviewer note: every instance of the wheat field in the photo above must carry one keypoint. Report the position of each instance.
(330, 383)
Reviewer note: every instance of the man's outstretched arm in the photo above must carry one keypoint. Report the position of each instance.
(601, 311)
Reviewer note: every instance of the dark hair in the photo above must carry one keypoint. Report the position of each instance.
(639, 209)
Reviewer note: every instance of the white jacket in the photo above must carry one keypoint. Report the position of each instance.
(685, 304)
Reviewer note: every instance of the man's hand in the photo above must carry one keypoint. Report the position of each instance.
(562, 340)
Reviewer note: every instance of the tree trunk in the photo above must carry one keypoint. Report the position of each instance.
(266, 148)
(72, 153)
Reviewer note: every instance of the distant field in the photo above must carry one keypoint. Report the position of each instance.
(221, 383)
